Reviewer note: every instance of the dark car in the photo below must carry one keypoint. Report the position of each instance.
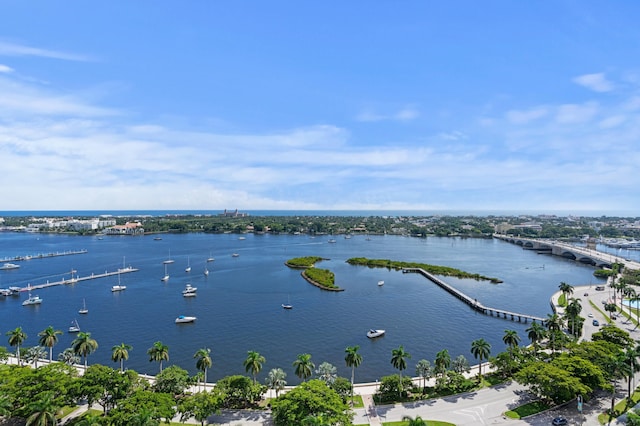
(596, 323)
(559, 421)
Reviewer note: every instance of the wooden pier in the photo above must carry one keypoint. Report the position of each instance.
(473, 303)
(74, 280)
(43, 255)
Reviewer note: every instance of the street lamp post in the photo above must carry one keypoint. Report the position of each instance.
(580, 408)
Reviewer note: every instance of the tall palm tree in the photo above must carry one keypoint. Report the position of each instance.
(565, 288)
(554, 325)
(158, 352)
(84, 345)
(203, 362)
(69, 357)
(574, 307)
(511, 339)
(120, 353)
(481, 349)
(304, 366)
(48, 339)
(254, 363)
(423, 369)
(43, 410)
(535, 333)
(34, 354)
(399, 360)
(417, 421)
(353, 359)
(276, 380)
(327, 372)
(16, 338)
(460, 364)
(442, 362)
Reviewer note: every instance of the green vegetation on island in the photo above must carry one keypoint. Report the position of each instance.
(322, 278)
(303, 262)
(434, 269)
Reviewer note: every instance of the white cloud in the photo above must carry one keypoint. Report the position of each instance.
(596, 82)
(405, 114)
(523, 117)
(5, 69)
(16, 49)
(576, 113)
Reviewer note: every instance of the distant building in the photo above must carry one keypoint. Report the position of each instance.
(235, 213)
(129, 228)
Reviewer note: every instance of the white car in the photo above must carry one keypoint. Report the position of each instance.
(590, 315)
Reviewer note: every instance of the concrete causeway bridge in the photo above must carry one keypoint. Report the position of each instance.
(569, 251)
(473, 303)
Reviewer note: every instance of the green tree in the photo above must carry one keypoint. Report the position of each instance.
(312, 398)
(48, 339)
(611, 308)
(536, 332)
(43, 410)
(442, 362)
(353, 360)
(303, 366)
(417, 421)
(253, 364)
(423, 369)
(399, 361)
(159, 352)
(550, 382)
(34, 354)
(204, 362)
(511, 339)
(327, 372)
(554, 326)
(17, 338)
(565, 289)
(120, 353)
(84, 345)
(69, 357)
(172, 380)
(199, 406)
(460, 364)
(276, 380)
(239, 391)
(480, 349)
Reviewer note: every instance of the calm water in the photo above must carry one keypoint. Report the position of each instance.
(239, 304)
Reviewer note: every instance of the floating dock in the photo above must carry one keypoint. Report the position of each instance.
(473, 303)
(43, 255)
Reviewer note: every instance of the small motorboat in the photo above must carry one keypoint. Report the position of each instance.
(372, 334)
(380, 283)
(189, 291)
(184, 319)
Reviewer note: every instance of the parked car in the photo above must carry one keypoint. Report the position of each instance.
(560, 421)
(590, 315)
(596, 323)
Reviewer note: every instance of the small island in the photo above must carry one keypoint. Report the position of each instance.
(321, 278)
(303, 262)
(433, 269)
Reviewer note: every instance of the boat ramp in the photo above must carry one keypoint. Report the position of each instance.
(74, 280)
(473, 303)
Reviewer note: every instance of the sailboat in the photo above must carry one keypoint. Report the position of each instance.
(166, 274)
(288, 305)
(169, 260)
(118, 287)
(210, 258)
(206, 271)
(74, 327)
(188, 269)
(84, 309)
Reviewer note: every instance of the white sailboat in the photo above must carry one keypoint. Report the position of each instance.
(166, 275)
(210, 258)
(74, 327)
(169, 260)
(118, 287)
(84, 309)
(206, 271)
(288, 305)
(188, 268)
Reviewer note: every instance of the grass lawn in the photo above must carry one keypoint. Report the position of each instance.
(357, 401)
(429, 423)
(621, 407)
(528, 409)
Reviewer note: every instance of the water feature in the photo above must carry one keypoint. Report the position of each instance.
(239, 303)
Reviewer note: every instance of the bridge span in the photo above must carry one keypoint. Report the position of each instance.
(473, 303)
(569, 251)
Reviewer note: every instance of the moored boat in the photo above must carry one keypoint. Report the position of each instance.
(74, 327)
(32, 300)
(380, 283)
(7, 266)
(184, 319)
(189, 291)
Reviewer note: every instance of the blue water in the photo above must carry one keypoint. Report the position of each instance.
(239, 304)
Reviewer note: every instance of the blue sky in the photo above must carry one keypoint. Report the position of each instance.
(353, 105)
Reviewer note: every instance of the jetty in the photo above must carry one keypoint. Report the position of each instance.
(74, 280)
(473, 303)
(43, 255)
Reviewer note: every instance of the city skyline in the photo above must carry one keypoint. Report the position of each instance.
(283, 106)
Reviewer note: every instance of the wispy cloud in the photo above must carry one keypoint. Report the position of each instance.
(596, 82)
(404, 114)
(524, 117)
(5, 69)
(16, 49)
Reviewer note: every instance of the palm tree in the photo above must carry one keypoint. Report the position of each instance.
(48, 339)
(43, 410)
(158, 352)
(276, 380)
(423, 369)
(203, 362)
(535, 333)
(460, 364)
(84, 345)
(417, 421)
(120, 353)
(511, 339)
(69, 357)
(574, 307)
(399, 360)
(565, 288)
(304, 366)
(34, 354)
(554, 325)
(253, 363)
(611, 308)
(353, 359)
(16, 338)
(327, 372)
(481, 349)
(442, 362)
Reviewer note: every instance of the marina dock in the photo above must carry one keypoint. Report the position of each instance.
(75, 280)
(43, 255)
(473, 303)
